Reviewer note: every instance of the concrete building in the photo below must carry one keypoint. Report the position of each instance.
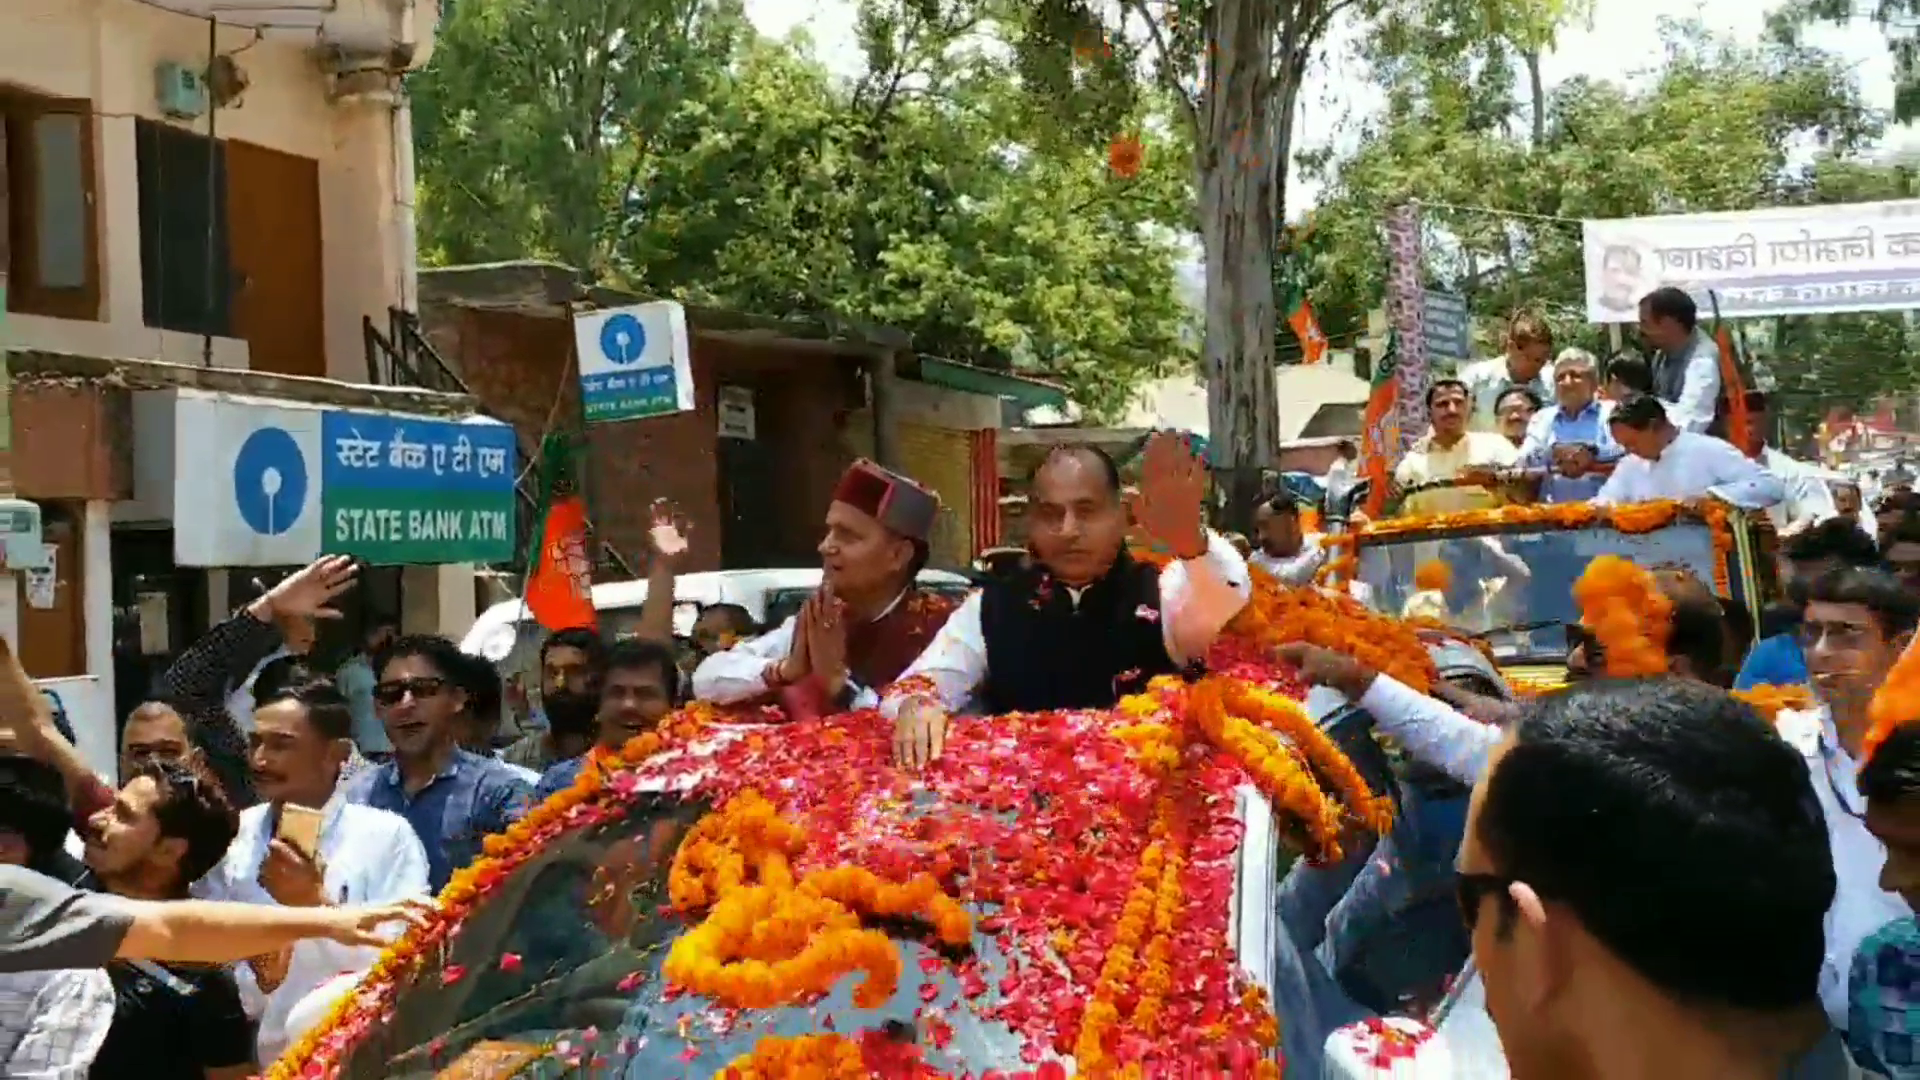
(208, 205)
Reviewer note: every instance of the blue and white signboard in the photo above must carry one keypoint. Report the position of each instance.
(247, 483)
(263, 484)
(634, 362)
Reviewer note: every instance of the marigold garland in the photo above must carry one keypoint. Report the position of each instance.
(770, 939)
(1102, 1013)
(1628, 615)
(1896, 702)
(799, 1057)
(1770, 700)
(501, 855)
(1433, 575)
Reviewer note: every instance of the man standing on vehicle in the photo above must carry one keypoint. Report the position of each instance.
(1529, 345)
(1448, 451)
(1809, 501)
(866, 623)
(1087, 623)
(1686, 367)
(1665, 461)
(1569, 440)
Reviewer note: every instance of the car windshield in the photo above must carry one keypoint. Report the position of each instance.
(1516, 588)
(583, 922)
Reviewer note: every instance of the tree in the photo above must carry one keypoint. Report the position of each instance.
(915, 196)
(1233, 70)
(1898, 21)
(1717, 128)
(531, 123)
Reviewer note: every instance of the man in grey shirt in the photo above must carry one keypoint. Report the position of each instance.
(45, 925)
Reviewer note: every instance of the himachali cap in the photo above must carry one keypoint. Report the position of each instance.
(889, 498)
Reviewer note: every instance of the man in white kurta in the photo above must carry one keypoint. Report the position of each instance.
(363, 856)
(1664, 462)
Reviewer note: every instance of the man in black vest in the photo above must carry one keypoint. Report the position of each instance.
(1085, 623)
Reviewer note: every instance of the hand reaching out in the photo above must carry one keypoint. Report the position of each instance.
(668, 533)
(309, 592)
(1173, 487)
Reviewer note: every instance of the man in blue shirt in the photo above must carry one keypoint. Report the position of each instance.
(1777, 659)
(453, 799)
(1569, 442)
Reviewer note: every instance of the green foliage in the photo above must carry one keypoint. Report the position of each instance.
(1716, 127)
(738, 173)
(1897, 20)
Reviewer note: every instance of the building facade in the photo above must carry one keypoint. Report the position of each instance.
(206, 205)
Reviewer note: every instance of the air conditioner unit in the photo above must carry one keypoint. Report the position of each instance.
(180, 91)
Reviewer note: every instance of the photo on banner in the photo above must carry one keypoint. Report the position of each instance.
(1800, 260)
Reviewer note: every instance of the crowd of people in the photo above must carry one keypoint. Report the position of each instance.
(1633, 857)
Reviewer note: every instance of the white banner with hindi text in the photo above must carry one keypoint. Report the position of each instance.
(1799, 260)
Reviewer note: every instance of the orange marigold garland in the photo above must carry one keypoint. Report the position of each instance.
(1628, 615)
(813, 1057)
(501, 855)
(1287, 718)
(770, 939)
(1896, 702)
(1770, 700)
(1434, 575)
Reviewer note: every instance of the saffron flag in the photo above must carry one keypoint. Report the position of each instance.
(1739, 423)
(560, 583)
(1313, 343)
(1380, 426)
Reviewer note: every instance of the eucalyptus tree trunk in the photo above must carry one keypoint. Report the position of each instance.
(1239, 150)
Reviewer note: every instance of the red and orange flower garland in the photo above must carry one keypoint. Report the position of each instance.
(1186, 731)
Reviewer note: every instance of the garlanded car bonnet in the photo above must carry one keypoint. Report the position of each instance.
(1059, 888)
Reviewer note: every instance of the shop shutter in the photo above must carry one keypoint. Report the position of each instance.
(942, 459)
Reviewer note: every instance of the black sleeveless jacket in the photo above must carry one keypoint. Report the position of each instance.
(1045, 652)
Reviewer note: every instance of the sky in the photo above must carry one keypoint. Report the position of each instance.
(1623, 39)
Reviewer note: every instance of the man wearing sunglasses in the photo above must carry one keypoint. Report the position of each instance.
(454, 799)
(1645, 876)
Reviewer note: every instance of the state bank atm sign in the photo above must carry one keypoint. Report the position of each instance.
(269, 485)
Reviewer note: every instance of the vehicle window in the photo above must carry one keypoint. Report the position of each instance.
(1517, 587)
(782, 603)
(584, 921)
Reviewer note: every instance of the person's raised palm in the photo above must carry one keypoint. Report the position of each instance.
(1173, 485)
(309, 592)
(668, 533)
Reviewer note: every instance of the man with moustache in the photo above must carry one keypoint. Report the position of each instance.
(1087, 623)
(454, 799)
(641, 685)
(1644, 877)
(301, 737)
(571, 664)
(864, 625)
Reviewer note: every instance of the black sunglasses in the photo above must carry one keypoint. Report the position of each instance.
(1472, 891)
(393, 693)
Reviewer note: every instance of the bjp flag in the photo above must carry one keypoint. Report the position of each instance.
(1380, 427)
(560, 584)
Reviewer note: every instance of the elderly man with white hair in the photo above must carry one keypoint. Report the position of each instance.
(1568, 445)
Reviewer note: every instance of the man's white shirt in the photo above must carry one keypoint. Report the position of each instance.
(370, 856)
(1809, 500)
(1298, 568)
(1693, 466)
(1860, 906)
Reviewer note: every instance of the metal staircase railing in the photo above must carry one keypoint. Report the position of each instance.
(402, 356)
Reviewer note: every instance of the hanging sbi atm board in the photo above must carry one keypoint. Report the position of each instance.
(635, 362)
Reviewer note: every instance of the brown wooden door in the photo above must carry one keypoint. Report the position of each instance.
(273, 225)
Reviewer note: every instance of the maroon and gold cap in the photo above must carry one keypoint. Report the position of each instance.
(889, 498)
